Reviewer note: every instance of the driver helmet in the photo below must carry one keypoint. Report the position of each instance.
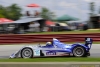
(48, 43)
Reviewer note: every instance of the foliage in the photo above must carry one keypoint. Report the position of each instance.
(11, 12)
(2, 11)
(14, 12)
(47, 14)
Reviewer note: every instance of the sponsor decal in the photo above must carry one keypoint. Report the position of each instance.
(50, 53)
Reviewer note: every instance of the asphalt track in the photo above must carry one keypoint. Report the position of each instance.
(7, 50)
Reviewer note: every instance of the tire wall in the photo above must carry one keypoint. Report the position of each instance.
(29, 38)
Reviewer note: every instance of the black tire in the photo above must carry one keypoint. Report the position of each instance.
(29, 53)
(79, 51)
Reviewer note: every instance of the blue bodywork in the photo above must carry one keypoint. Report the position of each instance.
(68, 48)
(57, 48)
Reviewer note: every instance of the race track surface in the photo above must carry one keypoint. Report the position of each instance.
(7, 50)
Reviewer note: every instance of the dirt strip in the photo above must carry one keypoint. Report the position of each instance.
(50, 64)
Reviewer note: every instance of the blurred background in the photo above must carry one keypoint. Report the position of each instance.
(30, 16)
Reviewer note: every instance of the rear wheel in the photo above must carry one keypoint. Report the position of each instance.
(79, 51)
(26, 53)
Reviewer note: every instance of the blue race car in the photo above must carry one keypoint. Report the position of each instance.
(55, 48)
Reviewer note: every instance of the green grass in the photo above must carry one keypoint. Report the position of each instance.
(63, 59)
(68, 32)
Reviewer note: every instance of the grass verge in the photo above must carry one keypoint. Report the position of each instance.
(63, 59)
(68, 32)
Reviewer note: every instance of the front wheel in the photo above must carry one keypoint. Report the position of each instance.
(26, 53)
(79, 51)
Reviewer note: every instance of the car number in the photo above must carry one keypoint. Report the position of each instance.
(36, 52)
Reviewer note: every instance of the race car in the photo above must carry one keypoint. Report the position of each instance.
(55, 48)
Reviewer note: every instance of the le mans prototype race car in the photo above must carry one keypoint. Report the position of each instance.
(57, 48)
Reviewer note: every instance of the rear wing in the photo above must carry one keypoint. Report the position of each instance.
(88, 41)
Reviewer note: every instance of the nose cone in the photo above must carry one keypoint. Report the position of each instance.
(12, 56)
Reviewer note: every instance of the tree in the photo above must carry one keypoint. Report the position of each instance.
(2, 11)
(13, 12)
(47, 14)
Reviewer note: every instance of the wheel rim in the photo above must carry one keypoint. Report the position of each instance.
(26, 53)
(78, 51)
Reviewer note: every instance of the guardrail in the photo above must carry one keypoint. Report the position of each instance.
(29, 38)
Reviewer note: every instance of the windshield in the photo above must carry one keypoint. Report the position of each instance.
(58, 43)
